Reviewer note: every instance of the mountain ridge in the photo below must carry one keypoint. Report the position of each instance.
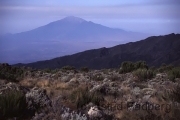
(154, 50)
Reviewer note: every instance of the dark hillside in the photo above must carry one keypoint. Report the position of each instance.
(154, 50)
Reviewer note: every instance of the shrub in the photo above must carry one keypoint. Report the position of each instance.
(54, 71)
(165, 68)
(128, 66)
(82, 96)
(84, 69)
(174, 73)
(68, 68)
(152, 68)
(12, 104)
(140, 64)
(144, 74)
(47, 70)
(10, 72)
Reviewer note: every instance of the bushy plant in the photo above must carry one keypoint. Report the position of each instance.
(174, 73)
(12, 104)
(144, 74)
(140, 64)
(165, 68)
(128, 66)
(11, 73)
(68, 68)
(84, 69)
(82, 96)
(152, 68)
(54, 71)
(47, 70)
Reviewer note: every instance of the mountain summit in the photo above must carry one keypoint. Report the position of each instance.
(73, 19)
(63, 37)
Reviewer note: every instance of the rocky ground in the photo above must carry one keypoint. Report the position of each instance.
(95, 95)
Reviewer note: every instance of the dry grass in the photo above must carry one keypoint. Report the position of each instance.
(43, 83)
(126, 90)
(75, 87)
(59, 85)
(28, 82)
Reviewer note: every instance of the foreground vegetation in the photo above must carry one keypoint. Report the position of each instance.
(111, 90)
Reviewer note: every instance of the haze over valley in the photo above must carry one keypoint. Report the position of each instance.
(63, 37)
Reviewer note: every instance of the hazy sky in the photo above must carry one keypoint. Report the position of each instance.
(149, 16)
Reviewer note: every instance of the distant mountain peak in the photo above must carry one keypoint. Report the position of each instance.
(73, 19)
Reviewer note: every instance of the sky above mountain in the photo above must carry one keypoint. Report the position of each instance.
(148, 16)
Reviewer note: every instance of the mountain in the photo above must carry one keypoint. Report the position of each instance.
(66, 36)
(154, 50)
(74, 28)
